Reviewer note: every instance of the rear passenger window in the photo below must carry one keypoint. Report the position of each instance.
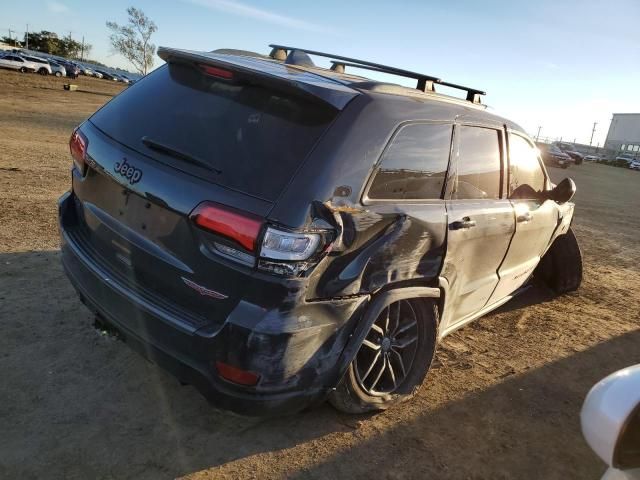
(525, 173)
(415, 164)
(478, 163)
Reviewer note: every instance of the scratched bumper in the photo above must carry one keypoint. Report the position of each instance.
(297, 352)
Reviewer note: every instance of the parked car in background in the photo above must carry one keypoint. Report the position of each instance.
(73, 70)
(635, 165)
(273, 275)
(610, 420)
(553, 156)
(121, 78)
(43, 66)
(106, 75)
(625, 157)
(84, 70)
(594, 157)
(577, 157)
(58, 69)
(16, 62)
(570, 150)
(130, 80)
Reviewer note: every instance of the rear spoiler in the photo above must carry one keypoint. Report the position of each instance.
(278, 74)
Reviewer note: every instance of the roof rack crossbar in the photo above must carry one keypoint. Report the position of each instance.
(425, 82)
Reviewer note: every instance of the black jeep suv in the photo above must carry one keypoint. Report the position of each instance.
(275, 233)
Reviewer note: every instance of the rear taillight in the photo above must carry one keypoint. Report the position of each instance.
(78, 147)
(241, 227)
(279, 252)
(216, 72)
(280, 245)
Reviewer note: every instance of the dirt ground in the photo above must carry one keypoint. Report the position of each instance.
(502, 400)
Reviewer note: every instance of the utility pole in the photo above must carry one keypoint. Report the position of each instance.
(11, 38)
(82, 50)
(538, 135)
(592, 132)
(27, 35)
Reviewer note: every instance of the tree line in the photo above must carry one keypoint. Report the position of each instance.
(52, 43)
(131, 40)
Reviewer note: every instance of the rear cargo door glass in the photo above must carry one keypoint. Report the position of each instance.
(255, 136)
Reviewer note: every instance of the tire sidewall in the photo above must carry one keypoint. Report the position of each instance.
(427, 340)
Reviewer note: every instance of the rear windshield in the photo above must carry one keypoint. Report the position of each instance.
(254, 136)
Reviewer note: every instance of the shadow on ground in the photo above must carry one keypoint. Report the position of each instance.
(77, 404)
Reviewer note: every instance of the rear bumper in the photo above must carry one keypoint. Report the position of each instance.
(297, 353)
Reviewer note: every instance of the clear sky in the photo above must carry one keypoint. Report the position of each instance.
(557, 64)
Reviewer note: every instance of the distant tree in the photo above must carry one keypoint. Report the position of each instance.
(132, 41)
(49, 42)
(11, 41)
(43, 41)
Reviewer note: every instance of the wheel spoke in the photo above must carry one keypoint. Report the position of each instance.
(373, 364)
(377, 329)
(386, 319)
(405, 342)
(396, 319)
(371, 345)
(384, 366)
(391, 372)
(399, 357)
(407, 326)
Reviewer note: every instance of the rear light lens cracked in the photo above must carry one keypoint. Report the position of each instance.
(280, 245)
(280, 252)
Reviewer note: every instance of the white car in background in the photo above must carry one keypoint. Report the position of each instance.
(610, 421)
(57, 69)
(16, 62)
(43, 67)
(635, 165)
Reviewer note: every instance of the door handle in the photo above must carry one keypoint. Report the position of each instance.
(463, 224)
(524, 217)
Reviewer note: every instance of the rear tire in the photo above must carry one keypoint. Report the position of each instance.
(393, 360)
(23, 70)
(43, 71)
(58, 74)
(561, 267)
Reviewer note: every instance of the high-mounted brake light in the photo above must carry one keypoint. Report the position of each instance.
(78, 147)
(241, 227)
(216, 72)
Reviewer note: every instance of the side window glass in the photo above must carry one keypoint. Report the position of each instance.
(414, 166)
(478, 163)
(526, 176)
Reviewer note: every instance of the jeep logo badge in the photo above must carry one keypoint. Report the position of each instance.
(128, 171)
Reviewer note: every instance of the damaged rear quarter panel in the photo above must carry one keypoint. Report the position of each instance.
(382, 245)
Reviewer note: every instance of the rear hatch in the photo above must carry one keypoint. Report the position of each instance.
(196, 130)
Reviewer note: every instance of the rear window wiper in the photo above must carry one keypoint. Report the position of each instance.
(160, 147)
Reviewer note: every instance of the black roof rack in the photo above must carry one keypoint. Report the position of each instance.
(426, 83)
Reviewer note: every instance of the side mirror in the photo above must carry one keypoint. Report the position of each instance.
(610, 419)
(563, 192)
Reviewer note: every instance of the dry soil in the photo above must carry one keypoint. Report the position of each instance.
(502, 400)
